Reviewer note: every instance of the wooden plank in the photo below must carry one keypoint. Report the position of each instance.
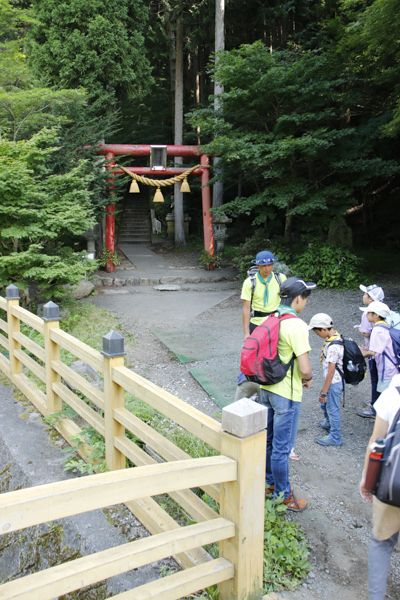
(52, 353)
(34, 395)
(242, 501)
(79, 382)
(182, 584)
(157, 442)
(3, 303)
(4, 341)
(79, 349)
(28, 318)
(5, 366)
(13, 327)
(156, 520)
(31, 364)
(4, 324)
(192, 504)
(88, 570)
(30, 345)
(79, 406)
(191, 419)
(25, 508)
(114, 397)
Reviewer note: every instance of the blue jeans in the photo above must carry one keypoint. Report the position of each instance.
(283, 419)
(331, 410)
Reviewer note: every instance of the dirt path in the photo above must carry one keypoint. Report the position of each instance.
(337, 522)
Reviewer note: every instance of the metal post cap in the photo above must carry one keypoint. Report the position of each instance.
(113, 345)
(12, 292)
(51, 312)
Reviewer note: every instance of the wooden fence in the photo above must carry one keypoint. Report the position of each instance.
(234, 478)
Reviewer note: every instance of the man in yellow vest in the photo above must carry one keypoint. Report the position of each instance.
(260, 292)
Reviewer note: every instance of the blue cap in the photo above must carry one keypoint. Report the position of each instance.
(264, 258)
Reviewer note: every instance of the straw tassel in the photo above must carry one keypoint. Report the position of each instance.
(158, 197)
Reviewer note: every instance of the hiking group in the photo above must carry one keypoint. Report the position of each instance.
(275, 368)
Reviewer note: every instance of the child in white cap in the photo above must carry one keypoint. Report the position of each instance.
(380, 349)
(330, 394)
(372, 293)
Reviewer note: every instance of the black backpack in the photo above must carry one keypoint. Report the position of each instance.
(354, 365)
(389, 482)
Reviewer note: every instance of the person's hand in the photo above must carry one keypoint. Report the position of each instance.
(365, 494)
(321, 399)
(306, 384)
(246, 335)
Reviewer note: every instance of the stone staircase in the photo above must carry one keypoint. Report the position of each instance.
(135, 226)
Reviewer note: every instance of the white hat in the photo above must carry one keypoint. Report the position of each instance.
(321, 320)
(378, 308)
(374, 291)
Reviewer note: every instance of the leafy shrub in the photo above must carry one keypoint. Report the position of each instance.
(329, 266)
(257, 243)
(285, 549)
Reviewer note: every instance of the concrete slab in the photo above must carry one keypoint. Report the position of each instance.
(157, 307)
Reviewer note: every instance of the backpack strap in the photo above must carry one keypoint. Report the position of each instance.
(278, 277)
(253, 289)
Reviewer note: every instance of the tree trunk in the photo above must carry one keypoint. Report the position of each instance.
(288, 225)
(178, 196)
(218, 187)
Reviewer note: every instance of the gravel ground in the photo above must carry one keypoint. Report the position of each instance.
(337, 522)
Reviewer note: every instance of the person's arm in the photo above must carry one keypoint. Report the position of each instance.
(366, 335)
(327, 382)
(366, 352)
(380, 430)
(305, 369)
(246, 318)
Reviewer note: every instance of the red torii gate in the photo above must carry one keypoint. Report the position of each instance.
(112, 150)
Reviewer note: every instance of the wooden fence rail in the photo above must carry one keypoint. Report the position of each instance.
(234, 478)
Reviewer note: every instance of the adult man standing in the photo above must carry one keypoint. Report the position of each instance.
(260, 292)
(283, 399)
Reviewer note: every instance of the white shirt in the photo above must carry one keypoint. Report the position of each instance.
(388, 403)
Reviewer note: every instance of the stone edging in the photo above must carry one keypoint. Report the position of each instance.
(99, 281)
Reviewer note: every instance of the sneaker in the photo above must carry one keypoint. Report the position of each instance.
(327, 440)
(324, 424)
(295, 504)
(269, 489)
(367, 413)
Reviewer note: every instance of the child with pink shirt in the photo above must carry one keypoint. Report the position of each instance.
(380, 349)
(371, 293)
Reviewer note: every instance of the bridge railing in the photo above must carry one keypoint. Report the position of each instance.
(234, 478)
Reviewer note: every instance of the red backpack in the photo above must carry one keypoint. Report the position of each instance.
(259, 359)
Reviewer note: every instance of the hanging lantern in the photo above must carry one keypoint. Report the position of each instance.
(134, 189)
(185, 186)
(158, 197)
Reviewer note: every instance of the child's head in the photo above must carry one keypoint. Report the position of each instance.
(322, 324)
(376, 311)
(294, 292)
(372, 293)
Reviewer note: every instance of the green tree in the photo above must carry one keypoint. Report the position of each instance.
(40, 215)
(91, 44)
(283, 130)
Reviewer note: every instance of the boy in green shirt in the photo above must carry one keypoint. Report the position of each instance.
(283, 399)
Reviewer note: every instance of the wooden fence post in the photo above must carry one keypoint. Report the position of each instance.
(12, 297)
(51, 318)
(242, 501)
(114, 397)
